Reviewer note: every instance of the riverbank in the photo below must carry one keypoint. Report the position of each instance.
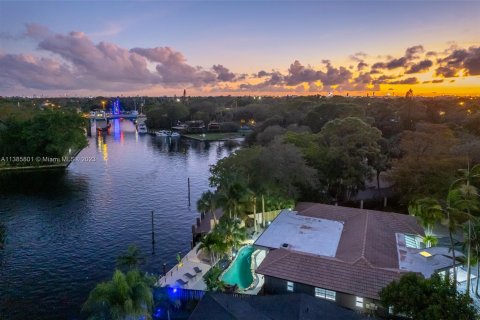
(57, 163)
(214, 136)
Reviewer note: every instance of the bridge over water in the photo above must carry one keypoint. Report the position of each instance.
(109, 116)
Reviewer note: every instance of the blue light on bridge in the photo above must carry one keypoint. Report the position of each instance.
(116, 107)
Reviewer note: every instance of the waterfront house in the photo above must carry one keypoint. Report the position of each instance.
(345, 255)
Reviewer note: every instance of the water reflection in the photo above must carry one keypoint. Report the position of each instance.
(47, 183)
(66, 228)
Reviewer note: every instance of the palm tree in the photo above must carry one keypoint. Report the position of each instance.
(124, 297)
(207, 243)
(131, 259)
(254, 205)
(429, 212)
(428, 209)
(472, 242)
(212, 280)
(475, 244)
(232, 234)
(231, 195)
(208, 203)
(470, 204)
(454, 212)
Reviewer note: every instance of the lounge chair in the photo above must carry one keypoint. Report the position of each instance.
(181, 282)
(197, 269)
(189, 275)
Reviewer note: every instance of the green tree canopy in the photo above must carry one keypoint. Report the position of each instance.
(47, 133)
(427, 299)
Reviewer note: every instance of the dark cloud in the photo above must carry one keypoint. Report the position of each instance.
(102, 61)
(466, 60)
(447, 72)
(472, 62)
(297, 74)
(403, 62)
(79, 63)
(411, 53)
(223, 74)
(434, 81)
(173, 68)
(358, 57)
(38, 73)
(262, 73)
(421, 66)
(412, 80)
(37, 31)
(384, 79)
(361, 65)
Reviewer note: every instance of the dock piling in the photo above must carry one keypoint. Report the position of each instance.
(188, 182)
(153, 232)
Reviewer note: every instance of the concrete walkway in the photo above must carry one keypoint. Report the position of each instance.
(187, 265)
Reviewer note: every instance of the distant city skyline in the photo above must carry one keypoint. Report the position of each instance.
(239, 48)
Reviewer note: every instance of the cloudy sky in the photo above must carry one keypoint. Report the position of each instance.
(243, 47)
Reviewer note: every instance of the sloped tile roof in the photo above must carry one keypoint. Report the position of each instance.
(367, 234)
(358, 279)
(366, 259)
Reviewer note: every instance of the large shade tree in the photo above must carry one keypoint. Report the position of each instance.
(427, 299)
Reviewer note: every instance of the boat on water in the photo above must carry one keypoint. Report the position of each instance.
(142, 128)
(141, 118)
(167, 133)
(103, 128)
(163, 133)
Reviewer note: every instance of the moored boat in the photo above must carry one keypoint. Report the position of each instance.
(142, 128)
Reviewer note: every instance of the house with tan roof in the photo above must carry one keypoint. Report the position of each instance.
(342, 254)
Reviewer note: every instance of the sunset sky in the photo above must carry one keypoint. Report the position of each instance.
(244, 47)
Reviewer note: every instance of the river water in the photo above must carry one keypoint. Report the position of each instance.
(65, 229)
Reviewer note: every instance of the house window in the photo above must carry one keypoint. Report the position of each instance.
(412, 241)
(359, 302)
(289, 286)
(330, 295)
(325, 294)
(320, 293)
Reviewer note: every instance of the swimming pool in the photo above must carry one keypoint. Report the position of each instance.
(240, 272)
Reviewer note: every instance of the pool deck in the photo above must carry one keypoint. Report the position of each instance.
(192, 260)
(186, 265)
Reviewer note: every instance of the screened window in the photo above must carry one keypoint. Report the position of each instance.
(289, 286)
(359, 302)
(412, 241)
(325, 294)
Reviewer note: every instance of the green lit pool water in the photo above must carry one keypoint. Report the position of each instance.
(240, 272)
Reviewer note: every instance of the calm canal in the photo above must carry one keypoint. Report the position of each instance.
(65, 229)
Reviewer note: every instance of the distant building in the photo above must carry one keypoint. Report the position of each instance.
(219, 306)
(345, 255)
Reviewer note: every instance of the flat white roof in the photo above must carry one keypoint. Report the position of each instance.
(303, 234)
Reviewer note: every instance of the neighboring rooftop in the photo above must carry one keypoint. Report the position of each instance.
(219, 306)
(426, 261)
(301, 233)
